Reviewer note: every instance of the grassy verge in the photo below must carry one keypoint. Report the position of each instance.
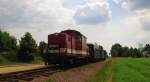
(49, 80)
(104, 74)
(8, 63)
(131, 69)
(5, 63)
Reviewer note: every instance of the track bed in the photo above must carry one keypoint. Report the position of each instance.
(76, 74)
(55, 73)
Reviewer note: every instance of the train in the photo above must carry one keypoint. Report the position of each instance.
(70, 47)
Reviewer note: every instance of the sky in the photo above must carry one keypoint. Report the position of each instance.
(105, 22)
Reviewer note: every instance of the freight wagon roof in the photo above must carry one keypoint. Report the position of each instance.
(73, 31)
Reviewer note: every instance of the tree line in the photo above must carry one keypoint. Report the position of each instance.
(25, 51)
(118, 50)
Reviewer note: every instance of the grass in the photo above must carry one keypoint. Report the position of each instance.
(8, 63)
(5, 62)
(104, 74)
(37, 60)
(131, 70)
(49, 80)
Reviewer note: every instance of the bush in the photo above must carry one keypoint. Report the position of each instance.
(10, 55)
(25, 57)
(1, 58)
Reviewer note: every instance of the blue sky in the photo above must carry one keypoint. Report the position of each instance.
(103, 21)
(117, 12)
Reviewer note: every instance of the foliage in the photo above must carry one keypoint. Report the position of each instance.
(27, 47)
(10, 52)
(7, 42)
(131, 69)
(8, 47)
(104, 74)
(10, 55)
(37, 58)
(146, 50)
(118, 51)
(42, 46)
(99, 51)
(6, 62)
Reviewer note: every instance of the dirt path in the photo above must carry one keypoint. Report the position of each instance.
(79, 74)
(17, 68)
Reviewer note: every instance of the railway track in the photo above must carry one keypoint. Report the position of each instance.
(28, 75)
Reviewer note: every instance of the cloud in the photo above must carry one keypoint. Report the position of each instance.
(145, 21)
(43, 17)
(139, 4)
(134, 5)
(117, 1)
(74, 3)
(93, 13)
(11, 12)
(146, 25)
(33, 13)
(36, 16)
(140, 10)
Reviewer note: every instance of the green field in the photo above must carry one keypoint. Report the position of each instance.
(131, 70)
(103, 75)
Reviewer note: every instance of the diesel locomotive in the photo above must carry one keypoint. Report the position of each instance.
(70, 47)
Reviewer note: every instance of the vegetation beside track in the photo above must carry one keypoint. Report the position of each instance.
(131, 69)
(104, 74)
(49, 80)
(3, 63)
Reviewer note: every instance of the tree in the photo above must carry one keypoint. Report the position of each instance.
(116, 50)
(7, 42)
(27, 47)
(146, 50)
(125, 51)
(8, 46)
(42, 47)
(105, 54)
(131, 52)
(101, 51)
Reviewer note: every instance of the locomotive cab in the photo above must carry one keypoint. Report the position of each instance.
(60, 47)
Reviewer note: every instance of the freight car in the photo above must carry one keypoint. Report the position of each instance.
(69, 47)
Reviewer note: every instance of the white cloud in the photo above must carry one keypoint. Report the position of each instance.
(93, 13)
(117, 1)
(74, 3)
(36, 16)
(138, 8)
(124, 5)
(134, 5)
(43, 17)
(139, 4)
